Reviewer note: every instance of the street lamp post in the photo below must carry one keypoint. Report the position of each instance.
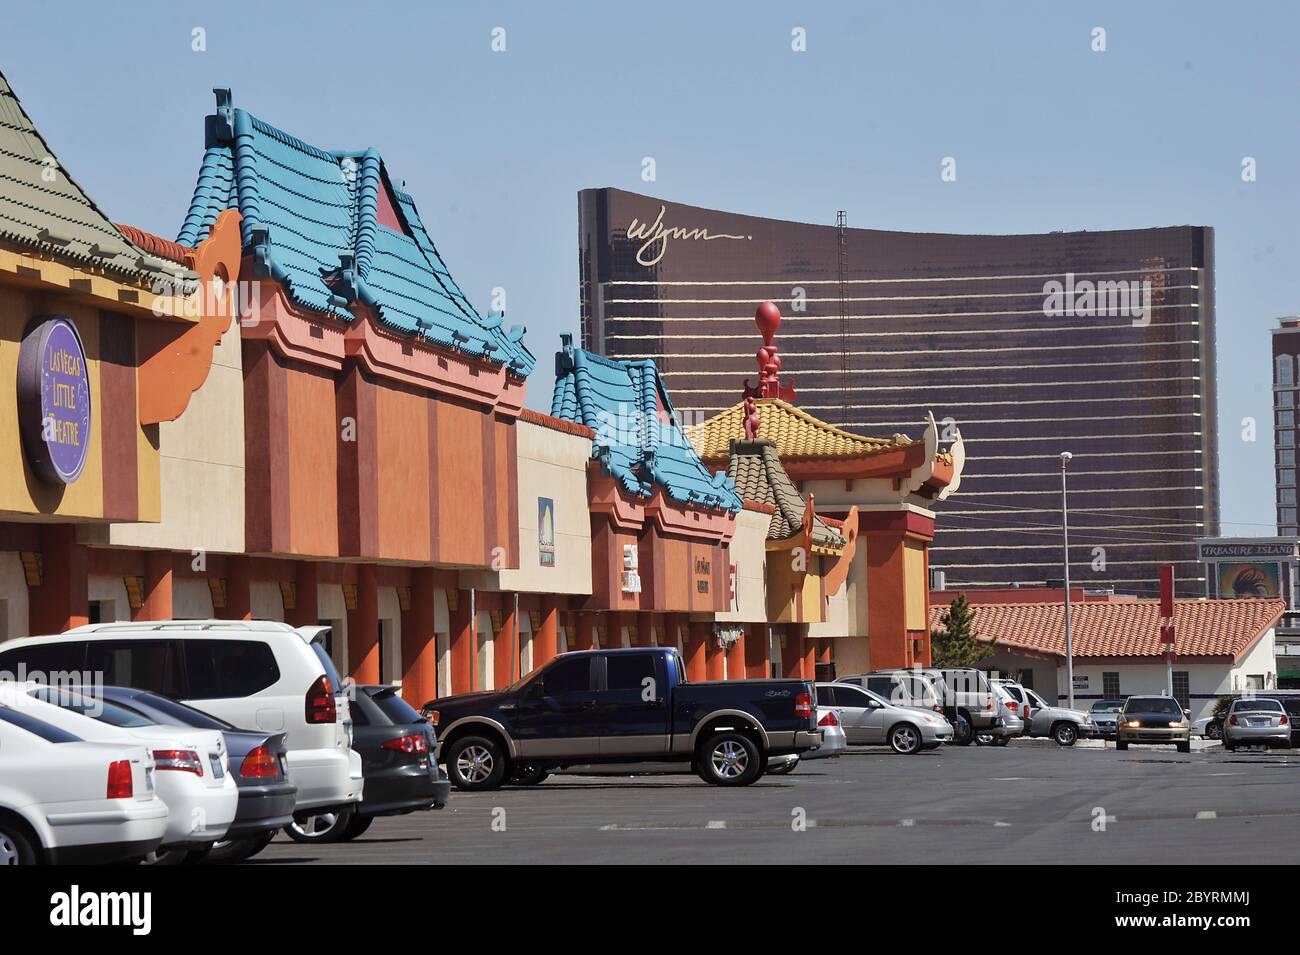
(1065, 539)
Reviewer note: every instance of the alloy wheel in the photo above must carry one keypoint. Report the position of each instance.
(317, 825)
(729, 759)
(8, 850)
(474, 764)
(905, 739)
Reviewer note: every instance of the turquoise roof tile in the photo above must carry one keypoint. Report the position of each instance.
(311, 221)
(639, 440)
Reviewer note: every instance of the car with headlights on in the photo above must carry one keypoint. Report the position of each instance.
(1256, 722)
(871, 720)
(1151, 720)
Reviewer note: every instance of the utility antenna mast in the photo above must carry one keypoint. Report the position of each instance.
(842, 224)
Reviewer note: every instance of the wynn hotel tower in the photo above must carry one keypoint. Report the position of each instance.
(1097, 343)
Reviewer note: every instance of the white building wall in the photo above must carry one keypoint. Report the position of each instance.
(265, 601)
(110, 594)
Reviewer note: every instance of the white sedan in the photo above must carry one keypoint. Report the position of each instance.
(65, 800)
(191, 772)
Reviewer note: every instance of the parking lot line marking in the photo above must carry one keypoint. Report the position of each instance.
(1001, 825)
(907, 823)
(1207, 814)
(716, 824)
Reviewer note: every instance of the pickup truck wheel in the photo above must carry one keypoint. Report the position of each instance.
(729, 759)
(1065, 734)
(905, 738)
(964, 734)
(476, 763)
(528, 774)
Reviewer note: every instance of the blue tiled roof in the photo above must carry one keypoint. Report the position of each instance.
(637, 446)
(310, 221)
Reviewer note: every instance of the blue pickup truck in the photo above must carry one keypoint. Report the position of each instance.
(629, 705)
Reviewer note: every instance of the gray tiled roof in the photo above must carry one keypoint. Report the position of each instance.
(756, 468)
(42, 207)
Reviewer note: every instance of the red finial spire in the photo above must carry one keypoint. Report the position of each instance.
(768, 319)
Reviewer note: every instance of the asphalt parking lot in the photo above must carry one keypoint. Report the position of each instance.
(1026, 803)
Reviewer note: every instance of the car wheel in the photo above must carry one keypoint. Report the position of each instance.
(15, 847)
(1121, 745)
(729, 758)
(1001, 740)
(963, 733)
(783, 769)
(475, 763)
(1065, 734)
(983, 739)
(237, 850)
(528, 774)
(1214, 730)
(320, 828)
(905, 739)
(1185, 747)
(357, 826)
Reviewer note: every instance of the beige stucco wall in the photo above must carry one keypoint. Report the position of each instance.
(111, 594)
(748, 553)
(191, 599)
(202, 468)
(552, 464)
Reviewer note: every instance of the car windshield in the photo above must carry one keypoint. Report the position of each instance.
(1153, 704)
(97, 708)
(1108, 706)
(1257, 706)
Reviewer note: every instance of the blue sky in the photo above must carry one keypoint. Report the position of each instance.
(495, 146)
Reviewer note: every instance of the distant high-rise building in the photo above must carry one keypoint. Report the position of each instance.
(1286, 356)
(1097, 343)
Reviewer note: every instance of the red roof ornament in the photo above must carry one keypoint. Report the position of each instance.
(768, 319)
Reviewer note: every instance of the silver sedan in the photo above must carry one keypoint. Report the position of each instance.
(870, 719)
(1256, 723)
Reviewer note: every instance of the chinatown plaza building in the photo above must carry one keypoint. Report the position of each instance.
(292, 412)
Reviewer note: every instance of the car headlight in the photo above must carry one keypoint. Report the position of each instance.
(1132, 724)
(1178, 724)
(928, 719)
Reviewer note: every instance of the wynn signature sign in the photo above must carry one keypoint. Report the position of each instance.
(657, 235)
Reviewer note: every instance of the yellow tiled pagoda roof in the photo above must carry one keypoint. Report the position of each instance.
(794, 432)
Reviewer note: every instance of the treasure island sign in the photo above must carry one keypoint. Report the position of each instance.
(54, 400)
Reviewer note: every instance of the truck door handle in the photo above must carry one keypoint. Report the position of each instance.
(587, 705)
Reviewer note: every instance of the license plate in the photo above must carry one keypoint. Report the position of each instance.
(217, 771)
(148, 780)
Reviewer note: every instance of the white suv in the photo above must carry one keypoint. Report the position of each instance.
(64, 800)
(256, 674)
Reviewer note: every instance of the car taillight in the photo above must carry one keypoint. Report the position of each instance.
(829, 719)
(1232, 720)
(415, 743)
(119, 780)
(1013, 706)
(259, 764)
(320, 702)
(803, 703)
(178, 760)
(1284, 721)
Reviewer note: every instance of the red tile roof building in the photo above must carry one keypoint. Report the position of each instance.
(1218, 629)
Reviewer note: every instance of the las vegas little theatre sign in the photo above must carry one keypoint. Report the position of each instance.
(54, 400)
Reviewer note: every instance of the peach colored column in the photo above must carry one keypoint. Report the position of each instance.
(505, 652)
(546, 640)
(736, 669)
(305, 611)
(462, 648)
(239, 596)
(419, 641)
(60, 601)
(697, 636)
(157, 604)
(712, 655)
(756, 647)
(363, 627)
(584, 637)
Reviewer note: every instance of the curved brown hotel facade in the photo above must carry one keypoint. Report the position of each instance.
(1099, 343)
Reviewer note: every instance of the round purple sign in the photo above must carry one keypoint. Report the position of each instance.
(54, 400)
